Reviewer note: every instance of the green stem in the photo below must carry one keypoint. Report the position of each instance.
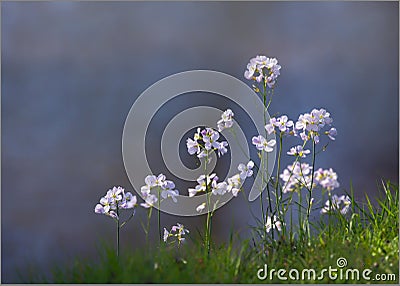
(278, 169)
(208, 221)
(118, 228)
(329, 215)
(159, 218)
(264, 95)
(310, 192)
(130, 217)
(300, 217)
(148, 226)
(278, 191)
(263, 214)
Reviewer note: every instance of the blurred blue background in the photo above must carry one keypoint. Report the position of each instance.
(72, 70)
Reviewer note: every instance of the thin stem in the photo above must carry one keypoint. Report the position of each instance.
(148, 225)
(300, 216)
(129, 218)
(118, 228)
(159, 218)
(310, 191)
(208, 221)
(278, 198)
(329, 214)
(264, 95)
(261, 194)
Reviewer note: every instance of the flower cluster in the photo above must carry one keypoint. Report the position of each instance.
(273, 223)
(205, 141)
(210, 182)
(263, 69)
(282, 123)
(115, 199)
(177, 231)
(311, 124)
(328, 179)
(298, 176)
(335, 203)
(263, 144)
(298, 151)
(166, 189)
(226, 120)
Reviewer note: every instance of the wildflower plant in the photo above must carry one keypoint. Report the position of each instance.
(113, 202)
(300, 177)
(203, 144)
(176, 234)
(155, 190)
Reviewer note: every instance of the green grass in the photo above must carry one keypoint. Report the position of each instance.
(367, 238)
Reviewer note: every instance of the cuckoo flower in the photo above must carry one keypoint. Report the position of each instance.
(177, 231)
(273, 223)
(311, 125)
(226, 120)
(335, 204)
(327, 179)
(206, 141)
(246, 170)
(263, 144)
(115, 198)
(263, 69)
(298, 151)
(296, 177)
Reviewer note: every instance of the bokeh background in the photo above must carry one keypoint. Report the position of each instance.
(72, 70)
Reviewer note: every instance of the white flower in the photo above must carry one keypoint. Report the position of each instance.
(113, 214)
(150, 180)
(327, 179)
(283, 123)
(129, 201)
(208, 142)
(99, 209)
(296, 177)
(234, 183)
(298, 151)
(331, 133)
(150, 200)
(160, 180)
(107, 203)
(177, 231)
(170, 194)
(271, 126)
(115, 194)
(219, 188)
(201, 207)
(273, 223)
(312, 123)
(264, 69)
(162, 185)
(226, 120)
(221, 147)
(166, 235)
(335, 204)
(192, 146)
(145, 190)
(246, 170)
(202, 184)
(262, 144)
